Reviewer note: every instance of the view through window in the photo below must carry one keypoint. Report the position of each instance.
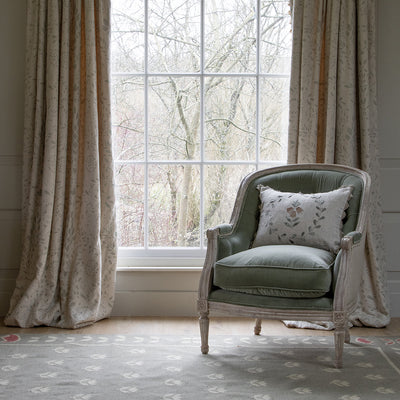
(200, 99)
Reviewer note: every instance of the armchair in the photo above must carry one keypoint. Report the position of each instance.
(280, 263)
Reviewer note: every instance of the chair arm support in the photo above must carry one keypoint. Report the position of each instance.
(349, 270)
(223, 241)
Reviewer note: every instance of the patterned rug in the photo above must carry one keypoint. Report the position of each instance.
(79, 367)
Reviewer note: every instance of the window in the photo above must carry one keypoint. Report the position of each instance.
(200, 99)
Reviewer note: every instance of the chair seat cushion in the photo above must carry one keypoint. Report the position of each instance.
(277, 270)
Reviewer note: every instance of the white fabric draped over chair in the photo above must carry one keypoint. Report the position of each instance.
(333, 115)
(67, 272)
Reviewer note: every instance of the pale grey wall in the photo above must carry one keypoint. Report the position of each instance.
(140, 293)
(388, 65)
(12, 54)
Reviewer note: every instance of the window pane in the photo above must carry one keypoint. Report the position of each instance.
(174, 205)
(276, 37)
(230, 36)
(127, 37)
(130, 204)
(274, 118)
(174, 115)
(221, 185)
(230, 116)
(174, 35)
(128, 118)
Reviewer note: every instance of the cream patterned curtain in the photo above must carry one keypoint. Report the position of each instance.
(333, 114)
(67, 272)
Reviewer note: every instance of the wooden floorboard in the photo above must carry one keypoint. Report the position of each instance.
(189, 326)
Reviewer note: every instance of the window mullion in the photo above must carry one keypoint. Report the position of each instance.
(202, 127)
(146, 124)
(258, 91)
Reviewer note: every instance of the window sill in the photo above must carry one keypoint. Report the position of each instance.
(163, 264)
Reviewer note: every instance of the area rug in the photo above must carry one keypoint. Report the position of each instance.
(117, 367)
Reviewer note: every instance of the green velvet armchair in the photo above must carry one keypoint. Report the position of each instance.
(293, 250)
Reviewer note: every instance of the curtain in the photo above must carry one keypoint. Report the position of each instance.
(333, 115)
(67, 270)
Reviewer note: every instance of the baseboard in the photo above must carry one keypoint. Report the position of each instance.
(394, 305)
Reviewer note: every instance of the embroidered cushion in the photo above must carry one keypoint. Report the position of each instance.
(313, 219)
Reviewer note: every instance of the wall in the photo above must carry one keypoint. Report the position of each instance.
(388, 64)
(173, 292)
(12, 43)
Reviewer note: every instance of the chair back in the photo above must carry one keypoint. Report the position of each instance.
(304, 178)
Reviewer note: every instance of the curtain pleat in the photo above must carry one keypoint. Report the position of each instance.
(69, 249)
(333, 115)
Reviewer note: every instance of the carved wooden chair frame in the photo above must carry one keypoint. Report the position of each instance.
(345, 297)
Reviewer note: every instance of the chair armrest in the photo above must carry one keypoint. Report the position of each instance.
(224, 229)
(228, 240)
(350, 239)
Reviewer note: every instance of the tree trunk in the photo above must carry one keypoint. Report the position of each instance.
(184, 203)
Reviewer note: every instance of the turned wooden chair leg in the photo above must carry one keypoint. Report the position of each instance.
(339, 345)
(204, 326)
(257, 327)
(341, 333)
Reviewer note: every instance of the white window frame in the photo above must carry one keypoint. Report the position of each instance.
(187, 258)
